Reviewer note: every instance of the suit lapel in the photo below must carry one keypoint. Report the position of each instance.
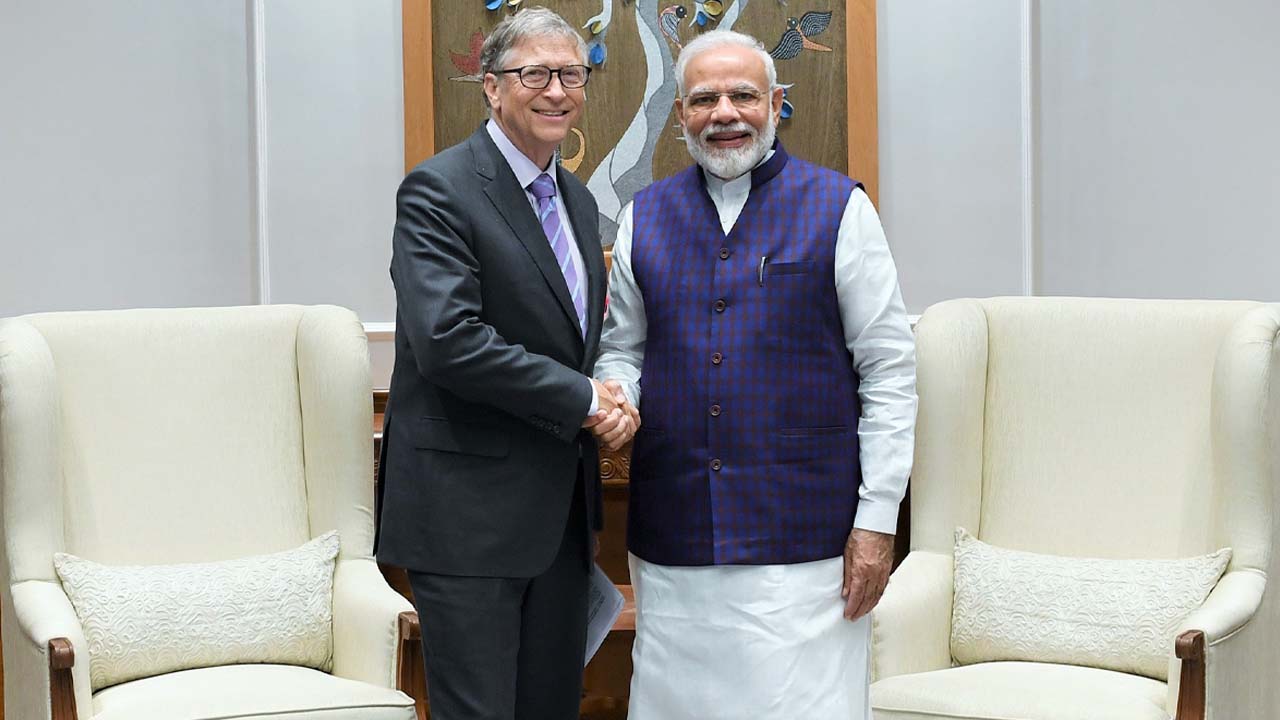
(509, 199)
(577, 201)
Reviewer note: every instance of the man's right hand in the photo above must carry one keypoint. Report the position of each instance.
(616, 388)
(616, 421)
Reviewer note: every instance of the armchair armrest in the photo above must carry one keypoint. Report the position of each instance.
(366, 623)
(1224, 654)
(911, 627)
(49, 658)
(1232, 603)
(411, 669)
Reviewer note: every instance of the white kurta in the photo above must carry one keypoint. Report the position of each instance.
(770, 642)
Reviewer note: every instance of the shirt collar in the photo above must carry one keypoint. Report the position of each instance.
(525, 171)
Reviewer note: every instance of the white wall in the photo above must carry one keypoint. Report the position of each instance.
(206, 152)
(212, 152)
(335, 151)
(1081, 147)
(1160, 155)
(950, 146)
(124, 165)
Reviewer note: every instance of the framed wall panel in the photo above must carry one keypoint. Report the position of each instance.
(825, 52)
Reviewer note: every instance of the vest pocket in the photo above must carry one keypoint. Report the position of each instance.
(461, 437)
(788, 268)
(816, 430)
(816, 450)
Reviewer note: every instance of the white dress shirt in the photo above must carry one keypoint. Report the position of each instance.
(876, 332)
(526, 172)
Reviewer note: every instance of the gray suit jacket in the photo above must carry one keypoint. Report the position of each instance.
(482, 442)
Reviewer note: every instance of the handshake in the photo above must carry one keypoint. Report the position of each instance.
(617, 420)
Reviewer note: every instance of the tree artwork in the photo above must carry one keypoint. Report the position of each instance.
(629, 135)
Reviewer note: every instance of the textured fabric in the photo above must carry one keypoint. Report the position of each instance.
(500, 648)
(148, 620)
(1099, 436)
(180, 436)
(209, 396)
(334, 390)
(766, 642)
(911, 625)
(482, 439)
(276, 692)
(747, 460)
(1019, 691)
(544, 189)
(876, 330)
(1112, 614)
(366, 623)
(525, 171)
(1102, 428)
(35, 612)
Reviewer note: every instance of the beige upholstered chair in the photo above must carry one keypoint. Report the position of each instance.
(1092, 428)
(174, 436)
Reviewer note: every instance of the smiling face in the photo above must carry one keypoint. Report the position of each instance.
(536, 121)
(728, 112)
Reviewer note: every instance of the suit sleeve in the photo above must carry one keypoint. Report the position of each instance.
(437, 283)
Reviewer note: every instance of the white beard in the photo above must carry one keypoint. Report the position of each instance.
(729, 163)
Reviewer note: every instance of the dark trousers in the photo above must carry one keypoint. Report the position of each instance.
(508, 648)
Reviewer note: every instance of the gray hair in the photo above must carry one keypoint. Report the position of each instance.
(526, 23)
(720, 38)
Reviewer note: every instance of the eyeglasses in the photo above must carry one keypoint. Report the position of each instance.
(707, 101)
(537, 77)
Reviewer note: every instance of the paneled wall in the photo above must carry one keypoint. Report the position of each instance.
(1081, 147)
(211, 152)
(198, 153)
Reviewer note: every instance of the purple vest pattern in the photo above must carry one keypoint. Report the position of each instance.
(748, 451)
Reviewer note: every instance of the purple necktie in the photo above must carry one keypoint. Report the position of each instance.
(544, 190)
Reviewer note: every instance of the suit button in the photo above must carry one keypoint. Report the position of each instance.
(715, 465)
(721, 305)
(715, 411)
(724, 253)
(716, 358)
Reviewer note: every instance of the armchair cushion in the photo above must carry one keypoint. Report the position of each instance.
(239, 692)
(147, 620)
(1009, 690)
(1114, 614)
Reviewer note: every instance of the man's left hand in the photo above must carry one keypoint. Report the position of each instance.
(868, 557)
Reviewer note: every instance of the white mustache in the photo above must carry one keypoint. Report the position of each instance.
(739, 126)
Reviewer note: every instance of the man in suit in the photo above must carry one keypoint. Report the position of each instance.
(490, 490)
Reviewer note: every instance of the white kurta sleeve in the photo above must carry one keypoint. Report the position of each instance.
(622, 340)
(878, 336)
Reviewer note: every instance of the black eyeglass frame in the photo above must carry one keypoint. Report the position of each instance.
(519, 72)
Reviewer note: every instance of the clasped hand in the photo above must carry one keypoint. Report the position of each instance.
(617, 420)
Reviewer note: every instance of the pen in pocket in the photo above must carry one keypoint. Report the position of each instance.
(760, 273)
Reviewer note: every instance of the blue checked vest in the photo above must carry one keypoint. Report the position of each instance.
(748, 451)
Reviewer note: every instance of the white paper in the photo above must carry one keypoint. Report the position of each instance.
(604, 605)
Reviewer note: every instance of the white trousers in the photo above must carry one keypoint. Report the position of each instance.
(747, 642)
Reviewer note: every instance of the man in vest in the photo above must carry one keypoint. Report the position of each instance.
(755, 307)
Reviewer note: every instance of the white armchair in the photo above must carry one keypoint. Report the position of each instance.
(174, 436)
(1092, 428)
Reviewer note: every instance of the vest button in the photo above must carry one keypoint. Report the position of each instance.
(724, 253)
(716, 358)
(720, 306)
(715, 465)
(715, 411)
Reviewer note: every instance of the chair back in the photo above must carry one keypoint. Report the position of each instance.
(1096, 427)
(166, 436)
